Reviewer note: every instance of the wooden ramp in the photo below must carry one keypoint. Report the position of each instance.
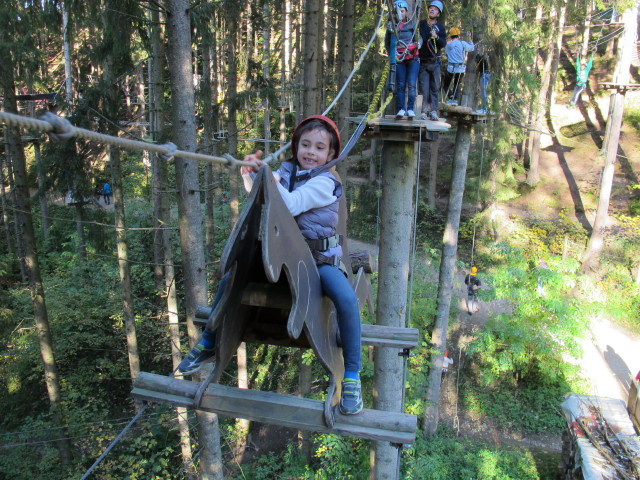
(279, 409)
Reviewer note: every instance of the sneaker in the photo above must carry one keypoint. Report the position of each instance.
(401, 113)
(411, 113)
(424, 116)
(351, 399)
(452, 102)
(433, 116)
(197, 357)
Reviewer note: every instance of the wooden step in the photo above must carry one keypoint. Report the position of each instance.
(377, 335)
(278, 409)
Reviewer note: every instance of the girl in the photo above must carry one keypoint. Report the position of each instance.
(311, 192)
(406, 58)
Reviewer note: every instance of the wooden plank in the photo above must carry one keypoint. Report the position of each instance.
(377, 335)
(279, 409)
(383, 336)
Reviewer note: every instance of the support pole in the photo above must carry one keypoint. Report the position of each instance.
(396, 212)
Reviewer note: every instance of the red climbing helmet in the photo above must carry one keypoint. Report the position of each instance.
(322, 118)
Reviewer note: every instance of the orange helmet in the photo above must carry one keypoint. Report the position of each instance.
(454, 32)
(474, 270)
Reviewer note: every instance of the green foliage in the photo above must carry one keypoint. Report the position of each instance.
(543, 328)
(446, 456)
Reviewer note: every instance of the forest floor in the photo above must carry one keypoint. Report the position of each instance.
(569, 170)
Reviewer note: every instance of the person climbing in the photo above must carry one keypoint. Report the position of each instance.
(484, 75)
(106, 192)
(446, 361)
(407, 60)
(434, 38)
(456, 51)
(582, 77)
(311, 192)
(473, 284)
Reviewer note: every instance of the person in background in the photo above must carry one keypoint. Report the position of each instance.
(407, 60)
(434, 38)
(106, 192)
(311, 192)
(484, 75)
(456, 51)
(582, 77)
(473, 284)
(446, 361)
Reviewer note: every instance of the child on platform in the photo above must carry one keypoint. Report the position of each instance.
(311, 192)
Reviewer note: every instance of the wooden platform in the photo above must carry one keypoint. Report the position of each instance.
(619, 87)
(279, 409)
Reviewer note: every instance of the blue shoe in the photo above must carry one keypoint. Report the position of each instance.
(196, 358)
(351, 399)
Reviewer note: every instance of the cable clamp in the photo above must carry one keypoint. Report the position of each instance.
(406, 352)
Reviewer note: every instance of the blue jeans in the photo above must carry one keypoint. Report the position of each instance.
(576, 94)
(337, 287)
(430, 85)
(407, 75)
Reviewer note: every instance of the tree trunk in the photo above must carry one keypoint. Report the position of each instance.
(311, 103)
(112, 103)
(44, 207)
(16, 222)
(66, 41)
(609, 150)
(232, 127)
(26, 238)
(396, 227)
(540, 112)
(190, 222)
(345, 59)
(447, 270)
(82, 249)
(266, 65)
(433, 171)
(5, 215)
(556, 55)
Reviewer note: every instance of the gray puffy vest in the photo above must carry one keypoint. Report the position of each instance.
(319, 222)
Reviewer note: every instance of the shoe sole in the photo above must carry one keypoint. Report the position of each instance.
(195, 369)
(343, 412)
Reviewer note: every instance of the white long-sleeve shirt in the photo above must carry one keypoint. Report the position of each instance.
(316, 193)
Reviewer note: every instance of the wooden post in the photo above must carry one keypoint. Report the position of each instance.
(398, 177)
(447, 269)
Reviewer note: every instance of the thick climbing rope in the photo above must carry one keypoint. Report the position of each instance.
(60, 129)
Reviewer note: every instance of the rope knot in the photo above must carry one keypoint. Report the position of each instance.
(62, 128)
(171, 149)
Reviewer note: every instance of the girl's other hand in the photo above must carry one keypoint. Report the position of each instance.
(253, 158)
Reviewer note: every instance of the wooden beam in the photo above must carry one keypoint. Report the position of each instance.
(377, 335)
(275, 408)
(383, 336)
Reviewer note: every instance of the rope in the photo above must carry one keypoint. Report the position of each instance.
(275, 155)
(60, 129)
(456, 418)
(114, 442)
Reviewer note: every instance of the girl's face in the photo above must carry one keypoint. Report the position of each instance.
(314, 149)
(403, 13)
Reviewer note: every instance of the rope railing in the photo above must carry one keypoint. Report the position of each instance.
(60, 129)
